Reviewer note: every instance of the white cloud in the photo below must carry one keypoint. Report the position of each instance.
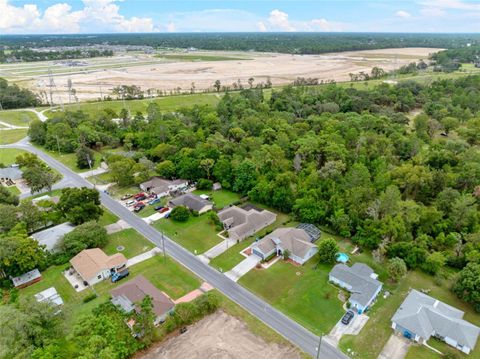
(95, 16)
(403, 14)
(279, 20)
(261, 26)
(171, 27)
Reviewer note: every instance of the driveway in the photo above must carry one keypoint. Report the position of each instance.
(396, 348)
(243, 267)
(217, 250)
(353, 328)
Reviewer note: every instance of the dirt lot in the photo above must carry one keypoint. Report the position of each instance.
(219, 336)
(101, 75)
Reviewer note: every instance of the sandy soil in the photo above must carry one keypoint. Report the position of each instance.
(219, 336)
(147, 71)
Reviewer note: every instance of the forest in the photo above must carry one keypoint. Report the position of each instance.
(27, 55)
(12, 96)
(298, 43)
(395, 168)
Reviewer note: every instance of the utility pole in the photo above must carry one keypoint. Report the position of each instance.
(319, 346)
(89, 160)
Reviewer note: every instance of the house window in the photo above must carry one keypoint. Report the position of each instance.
(99, 276)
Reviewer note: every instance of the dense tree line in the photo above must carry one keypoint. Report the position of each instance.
(28, 55)
(301, 43)
(467, 54)
(12, 96)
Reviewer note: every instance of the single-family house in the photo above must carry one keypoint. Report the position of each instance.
(294, 240)
(420, 317)
(93, 265)
(27, 279)
(162, 187)
(129, 296)
(241, 223)
(51, 237)
(192, 202)
(360, 281)
(12, 173)
(49, 295)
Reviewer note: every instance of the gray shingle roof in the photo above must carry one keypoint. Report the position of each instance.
(51, 237)
(295, 240)
(191, 201)
(244, 223)
(425, 316)
(358, 277)
(13, 173)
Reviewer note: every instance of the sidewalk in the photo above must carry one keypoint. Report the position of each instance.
(243, 267)
(95, 172)
(217, 250)
(143, 257)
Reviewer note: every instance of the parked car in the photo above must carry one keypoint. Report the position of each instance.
(153, 201)
(347, 318)
(126, 196)
(140, 196)
(164, 209)
(119, 275)
(152, 195)
(138, 207)
(130, 203)
(158, 208)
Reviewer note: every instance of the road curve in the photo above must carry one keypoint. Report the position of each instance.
(288, 328)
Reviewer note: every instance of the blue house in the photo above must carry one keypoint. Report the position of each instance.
(360, 281)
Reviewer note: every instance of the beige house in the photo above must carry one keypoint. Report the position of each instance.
(93, 265)
(294, 240)
(241, 223)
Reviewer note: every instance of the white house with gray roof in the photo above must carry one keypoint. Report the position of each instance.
(192, 202)
(162, 187)
(241, 223)
(360, 281)
(420, 317)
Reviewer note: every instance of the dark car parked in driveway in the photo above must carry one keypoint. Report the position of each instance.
(347, 318)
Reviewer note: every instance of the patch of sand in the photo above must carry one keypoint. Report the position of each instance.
(219, 336)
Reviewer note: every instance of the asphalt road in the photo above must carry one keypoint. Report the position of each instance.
(288, 328)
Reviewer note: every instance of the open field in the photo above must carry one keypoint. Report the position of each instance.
(17, 118)
(101, 75)
(8, 155)
(219, 336)
(12, 136)
(132, 241)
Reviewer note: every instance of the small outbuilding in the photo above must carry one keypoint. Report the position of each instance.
(27, 279)
(49, 295)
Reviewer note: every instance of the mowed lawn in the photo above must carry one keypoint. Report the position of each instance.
(70, 159)
(170, 277)
(17, 118)
(12, 136)
(8, 155)
(231, 257)
(371, 340)
(301, 292)
(132, 241)
(197, 234)
(107, 218)
(221, 198)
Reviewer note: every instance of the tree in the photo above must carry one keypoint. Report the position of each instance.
(37, 132)
(85, 157)
(250, 81)
(245, 177)
(434, 262)
(8, 217)
(207, 165)
(39, 178)
(217, 85)
(144, 322)
(327, 250)
(87, 235)
(80, 205)
(180, 214)
(7, 197)
(467, 286)
(166, 169)
(396, 268)
(122, 171)
(205, 184)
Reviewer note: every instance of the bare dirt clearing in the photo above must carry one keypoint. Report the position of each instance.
(100, 75)
(219, 336)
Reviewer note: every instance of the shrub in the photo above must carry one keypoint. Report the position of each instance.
(204, 183)
(89, 298)
(180, 214)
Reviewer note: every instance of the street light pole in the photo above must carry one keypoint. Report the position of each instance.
(319, 346)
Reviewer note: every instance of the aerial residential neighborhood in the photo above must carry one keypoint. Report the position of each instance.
(241, 179)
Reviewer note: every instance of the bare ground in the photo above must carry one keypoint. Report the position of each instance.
(219, 336)
(146, 71)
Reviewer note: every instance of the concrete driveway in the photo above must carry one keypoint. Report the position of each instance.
(353, 328)
(396, 348)
(243, 267)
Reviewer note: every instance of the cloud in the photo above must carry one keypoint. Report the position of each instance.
(279, 21)
(261, 26)
(439, 8)
(403, 14)
(95, 16)
(171, 27)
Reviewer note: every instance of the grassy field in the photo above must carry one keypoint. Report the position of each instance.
(12, 136)
(17, 118)
(369, 343)
(70, 159)
(8, 155)
(107, 218)
(198, 57)
(133, 242)
(221, 198)
(197, 234)
(301, 292)
(168, 103)
(230, 258)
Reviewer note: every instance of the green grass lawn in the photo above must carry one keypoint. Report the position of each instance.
(301, 292)
(197, 234)
(230, 258)
(198, 57)
(70, 159)
(17, 118)
(12, 136)
(170, 277)
(221, 198)
(133, 242)
(107, 218)
(8, 155)
(369, 343)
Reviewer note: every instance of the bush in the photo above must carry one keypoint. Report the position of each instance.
(89, 298)
(204, 183)
(180, 214)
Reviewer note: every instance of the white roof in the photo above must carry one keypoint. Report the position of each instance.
(49, 295)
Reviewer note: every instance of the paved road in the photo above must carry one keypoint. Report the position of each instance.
(288, 328)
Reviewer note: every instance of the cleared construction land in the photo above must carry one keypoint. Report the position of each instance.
(97, 77)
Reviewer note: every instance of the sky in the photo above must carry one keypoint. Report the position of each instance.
(123, 16)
